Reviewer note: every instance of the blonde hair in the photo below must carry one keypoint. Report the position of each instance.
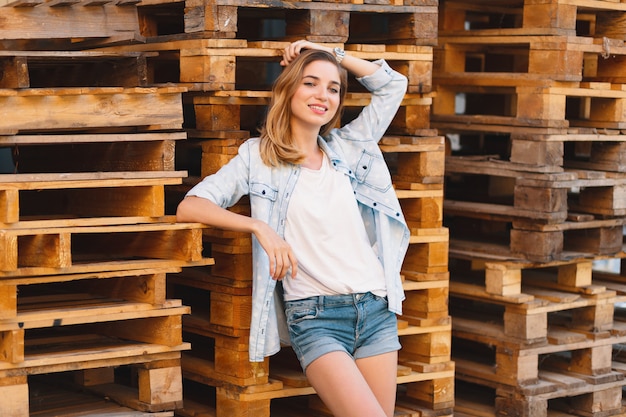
(276, 144)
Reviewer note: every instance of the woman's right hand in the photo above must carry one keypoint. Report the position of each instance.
(280, 254)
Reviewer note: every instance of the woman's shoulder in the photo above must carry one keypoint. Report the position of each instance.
(250, 146)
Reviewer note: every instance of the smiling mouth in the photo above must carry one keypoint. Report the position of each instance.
(318, 108)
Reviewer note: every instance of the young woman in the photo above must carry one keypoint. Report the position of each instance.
(329, 236)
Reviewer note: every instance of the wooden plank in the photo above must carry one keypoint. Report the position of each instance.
(45, 139)
(100, 353)
(86, 179)
(87, 313)
(67, 22)
(91, 108)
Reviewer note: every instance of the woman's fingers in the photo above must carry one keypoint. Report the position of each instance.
(292, 51)
(279, 252)
(281, 263)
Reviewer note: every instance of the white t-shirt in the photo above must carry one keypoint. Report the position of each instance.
(326, 232)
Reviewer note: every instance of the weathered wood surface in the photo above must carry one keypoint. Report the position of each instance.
(106, 247)
(84, 108)
(39, 20)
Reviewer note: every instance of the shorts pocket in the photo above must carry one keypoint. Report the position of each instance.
(298, 314)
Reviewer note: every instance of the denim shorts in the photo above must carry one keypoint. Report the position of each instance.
(359, 324)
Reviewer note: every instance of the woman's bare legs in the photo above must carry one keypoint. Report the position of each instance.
(355, 389)
(381, 373)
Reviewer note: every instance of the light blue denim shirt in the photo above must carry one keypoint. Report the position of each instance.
(353, 150)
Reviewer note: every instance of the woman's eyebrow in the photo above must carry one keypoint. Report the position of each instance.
(318, 78)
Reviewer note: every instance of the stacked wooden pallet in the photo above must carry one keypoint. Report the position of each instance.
(530, 96)
(85, 243)
(227, 53)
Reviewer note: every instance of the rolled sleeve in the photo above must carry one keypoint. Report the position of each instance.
(227, 185)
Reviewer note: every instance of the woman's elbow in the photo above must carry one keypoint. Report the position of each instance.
(182, 211)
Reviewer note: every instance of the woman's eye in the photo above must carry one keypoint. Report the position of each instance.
(334, 90)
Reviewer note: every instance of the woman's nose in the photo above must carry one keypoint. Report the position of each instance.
(321, 93)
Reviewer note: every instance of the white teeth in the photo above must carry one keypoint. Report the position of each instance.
(318, 108)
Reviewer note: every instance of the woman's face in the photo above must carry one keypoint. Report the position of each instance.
(317, 97)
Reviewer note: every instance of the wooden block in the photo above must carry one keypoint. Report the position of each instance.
(161, 385)
(8, 251)
(217, 117)
(427, 257)
(533, 152)
(419, 165)
(501, 280)
(593, 361)
(9, 206)
(607, 69)
(235, 266)
(423, 212)
(537, 104)
(521, 407)
(215, 72)
(526, 326)
(594, 318)
(516, 370)
(8, 301)
(604, 200)
(412, 28)
(537, 246)
(231, 310)
(51, 250)
(602, 241)
(11, 347)
(14, 73)
(435, 393)
(423, 303)
(318, 25)
(555, 62)
(236, 364)
(410, 119)
(607, 109)
(433, 347)
(607, 401)
(609, 153)
(550, 15)
(419, 74)
(211, 163)
(577, 274)
(548, 200)
(201, 16)
(14, 400)
(228, 405)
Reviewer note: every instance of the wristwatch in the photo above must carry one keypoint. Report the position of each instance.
(340, 54)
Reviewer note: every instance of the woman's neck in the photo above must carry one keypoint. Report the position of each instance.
(307, 143)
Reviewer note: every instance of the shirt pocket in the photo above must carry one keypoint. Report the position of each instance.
(371, 170)
(262, 197)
